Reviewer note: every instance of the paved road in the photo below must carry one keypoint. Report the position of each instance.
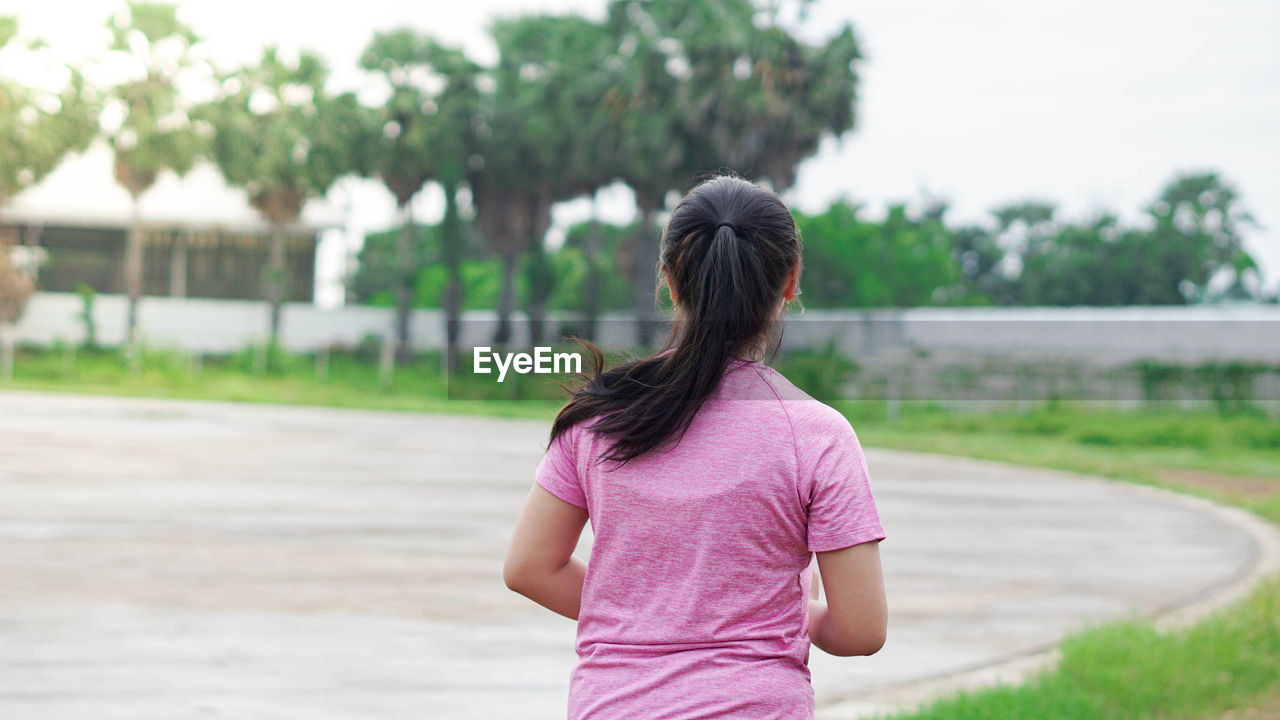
(176, 560)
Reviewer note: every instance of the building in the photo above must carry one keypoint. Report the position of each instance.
(201, 238)
(179, 260)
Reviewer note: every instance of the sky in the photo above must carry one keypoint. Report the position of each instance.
(1094, 104)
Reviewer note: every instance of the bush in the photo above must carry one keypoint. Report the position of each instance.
(821, 374)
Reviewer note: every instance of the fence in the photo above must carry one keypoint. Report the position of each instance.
(1118, 354)
(1193, 333)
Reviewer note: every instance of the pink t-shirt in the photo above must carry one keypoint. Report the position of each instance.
(695, 603)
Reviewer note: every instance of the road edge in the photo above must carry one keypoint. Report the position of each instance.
(1264, 561)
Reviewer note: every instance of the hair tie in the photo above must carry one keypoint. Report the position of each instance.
(728, 225)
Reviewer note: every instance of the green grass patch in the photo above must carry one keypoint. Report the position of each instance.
(1128, 670)
(1125, 669)
(1229, 458)
(349, 379)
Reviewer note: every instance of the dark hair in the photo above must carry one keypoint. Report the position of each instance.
(728, 249)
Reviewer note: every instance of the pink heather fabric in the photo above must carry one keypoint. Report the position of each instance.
(695, 603)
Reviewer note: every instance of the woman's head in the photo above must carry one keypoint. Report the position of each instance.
(730, 256)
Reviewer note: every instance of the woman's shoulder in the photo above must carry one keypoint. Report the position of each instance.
(771, 388)
(804, 411)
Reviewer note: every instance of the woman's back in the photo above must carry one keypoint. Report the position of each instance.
(708, 480)
(695, 601)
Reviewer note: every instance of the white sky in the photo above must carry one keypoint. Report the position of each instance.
(1094, 104)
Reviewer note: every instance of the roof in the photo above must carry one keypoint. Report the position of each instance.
(82, 191)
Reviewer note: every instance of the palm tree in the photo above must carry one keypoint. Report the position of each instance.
(510, 177)
(510, 209)
(423, 133)
(652, 152)
(153, 133)
(708, 86)
(552, 72)
(37, 129)
(277, 134)
(458, 105)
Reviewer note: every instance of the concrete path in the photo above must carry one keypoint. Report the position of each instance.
(175, 560)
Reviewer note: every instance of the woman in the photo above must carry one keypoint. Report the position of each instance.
(709, 480)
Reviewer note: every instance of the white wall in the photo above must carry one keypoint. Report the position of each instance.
(1244, 332)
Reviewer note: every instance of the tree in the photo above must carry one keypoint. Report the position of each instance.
(37, 129)
(979, 258)
(15, 288)
(903, 261)
(1194, 237)
(153, 132)
(713, 84)
(422, 133)
(1024, 229)
(1198, 229)
(458, 104)
(276, 133)
(603, 285)
(1089, 263)
(758, 99)
(377, 268)
(553, 68)
(651, 150)
(513, 179)
(374, 282)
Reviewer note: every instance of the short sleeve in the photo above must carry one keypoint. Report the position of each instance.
(558, 472)
(842, 509)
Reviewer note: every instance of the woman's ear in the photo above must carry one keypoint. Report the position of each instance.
(671, 288)
(791, 285)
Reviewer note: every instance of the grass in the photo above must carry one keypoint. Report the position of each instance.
(1225, 667)
(340, 379)
(1229, 458)
(1230, 662)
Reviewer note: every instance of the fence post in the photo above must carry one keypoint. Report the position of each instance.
(322, 364)
(6, 352)
(1021, 379)
(893, 403)
(133, 354)
(386, 363)
(260, 358)
(68, 361)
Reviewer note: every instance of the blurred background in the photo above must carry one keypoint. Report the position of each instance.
(1036, 233)
(209, 178)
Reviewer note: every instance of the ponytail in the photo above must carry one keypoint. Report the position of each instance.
(727, 250)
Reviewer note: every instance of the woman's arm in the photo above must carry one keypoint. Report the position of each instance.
(540, 564)
(854, 619)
